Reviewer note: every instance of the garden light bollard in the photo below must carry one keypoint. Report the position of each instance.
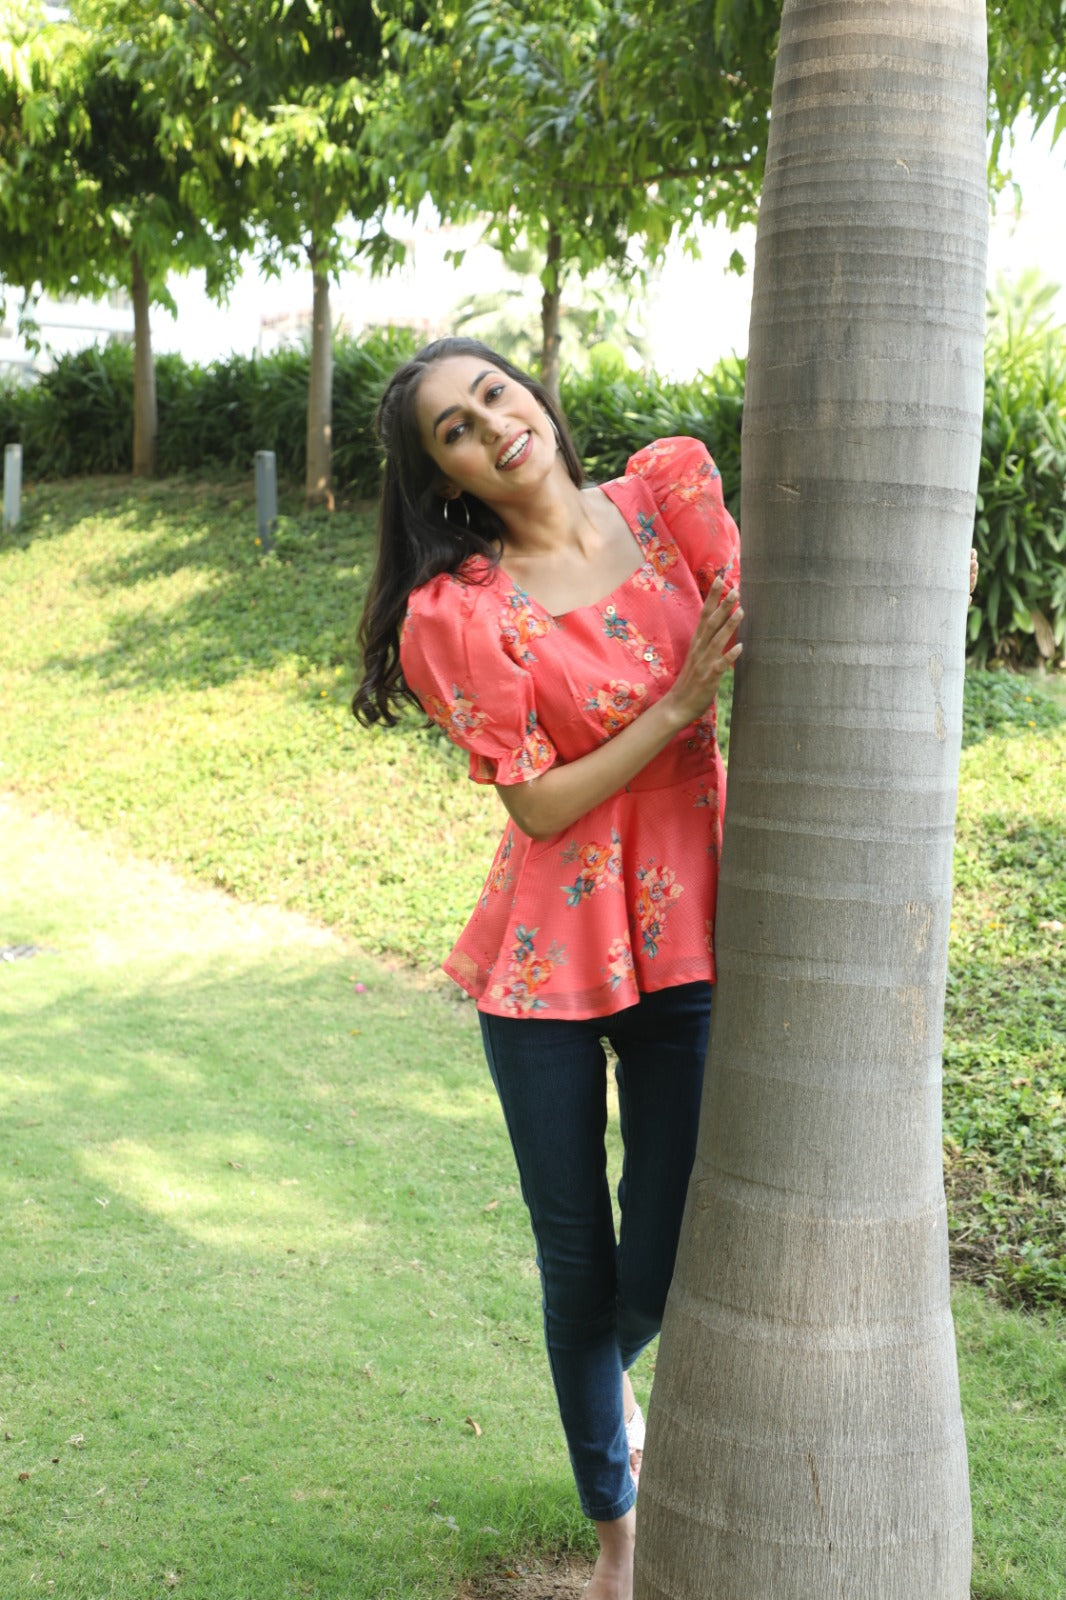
(12, 484)
(266, 497)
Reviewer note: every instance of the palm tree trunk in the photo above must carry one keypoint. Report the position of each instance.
(318, 483)
(145, 416)
(805, 1433)
(550, 313)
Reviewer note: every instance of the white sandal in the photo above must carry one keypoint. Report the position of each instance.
(635, 1441)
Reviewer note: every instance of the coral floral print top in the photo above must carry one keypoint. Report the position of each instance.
(622, 902)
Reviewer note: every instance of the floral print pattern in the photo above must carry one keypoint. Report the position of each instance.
(599, 866)
(659, 556)
(521, 625)
(616, 704)
(704, 732)
(526, 974)
(619, 968)
(658, 889)
(501, 875)
(536, 753)
(632, 640)
(456, 715)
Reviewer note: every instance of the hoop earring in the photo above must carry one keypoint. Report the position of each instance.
(457, 500)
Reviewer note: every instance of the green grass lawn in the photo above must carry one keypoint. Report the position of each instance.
(270, 1322)
(270, 1314)
(270, 1309)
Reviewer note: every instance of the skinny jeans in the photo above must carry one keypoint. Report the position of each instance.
(603, 1297)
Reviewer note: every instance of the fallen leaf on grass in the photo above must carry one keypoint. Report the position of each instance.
(472, 1424)
(491, 1205)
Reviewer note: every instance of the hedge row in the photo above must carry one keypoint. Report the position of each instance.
(78, 420)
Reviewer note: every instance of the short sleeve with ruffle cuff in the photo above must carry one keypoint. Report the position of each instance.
(454, 660)
(687, 487)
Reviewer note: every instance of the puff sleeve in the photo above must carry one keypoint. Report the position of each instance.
(687, 487)
(454, 659)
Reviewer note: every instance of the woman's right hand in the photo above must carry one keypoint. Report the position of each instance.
(710, 655)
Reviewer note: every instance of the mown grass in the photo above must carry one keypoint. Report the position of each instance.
(269, 1304)
(1005, 1024)
(270, 1314)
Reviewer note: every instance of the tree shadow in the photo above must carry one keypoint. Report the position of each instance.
(1000, 704)
(235, 608)
(269, 1244)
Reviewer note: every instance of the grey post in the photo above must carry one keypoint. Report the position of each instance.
(266, 496)
(12, 484)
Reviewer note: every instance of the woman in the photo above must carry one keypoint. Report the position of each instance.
(572, 639)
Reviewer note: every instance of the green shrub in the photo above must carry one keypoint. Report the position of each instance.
(82, 418)
(611, 418)
(15, 400)
(360, 372)
(1019, 609)
(205, 413)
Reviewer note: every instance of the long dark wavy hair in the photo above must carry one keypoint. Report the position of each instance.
(415, 541)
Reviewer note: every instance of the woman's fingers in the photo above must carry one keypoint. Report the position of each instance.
(719, 608)
(724, 620)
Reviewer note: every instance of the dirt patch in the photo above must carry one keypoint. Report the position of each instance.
(551, 1577)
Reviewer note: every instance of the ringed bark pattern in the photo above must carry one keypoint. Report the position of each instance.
(805, 1434)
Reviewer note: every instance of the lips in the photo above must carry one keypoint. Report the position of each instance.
(515, 451)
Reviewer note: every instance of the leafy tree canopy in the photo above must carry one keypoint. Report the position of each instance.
(610, 121)
(84, 187)
(597, 122)
(272, 96)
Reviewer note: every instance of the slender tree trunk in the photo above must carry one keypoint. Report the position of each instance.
(318, 484)
(805, 1435)
(145, 417)
(550, 309)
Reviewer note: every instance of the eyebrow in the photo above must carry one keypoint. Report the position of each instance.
(450, 410)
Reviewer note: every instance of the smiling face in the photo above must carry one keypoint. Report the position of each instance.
(484, 430)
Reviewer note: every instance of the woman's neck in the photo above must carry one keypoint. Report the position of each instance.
(557, 519)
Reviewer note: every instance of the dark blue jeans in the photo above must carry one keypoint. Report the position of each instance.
(603, 1298)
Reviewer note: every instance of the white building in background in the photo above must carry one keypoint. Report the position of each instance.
(63, 326)
(692, 312)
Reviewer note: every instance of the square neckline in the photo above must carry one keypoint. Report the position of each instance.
(559, 617)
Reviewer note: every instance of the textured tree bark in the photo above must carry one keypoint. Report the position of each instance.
(805, 1434)
(550, 317)
(318, 482)
(145, 415)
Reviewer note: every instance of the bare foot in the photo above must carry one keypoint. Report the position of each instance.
(629, 1409)
(612, 1576)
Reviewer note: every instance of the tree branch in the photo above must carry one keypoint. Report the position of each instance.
(221, 37)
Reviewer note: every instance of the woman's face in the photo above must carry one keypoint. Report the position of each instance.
(484, 430)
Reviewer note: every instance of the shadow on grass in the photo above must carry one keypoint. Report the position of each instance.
(273, 1269)
(997, 703)
(240, 610)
